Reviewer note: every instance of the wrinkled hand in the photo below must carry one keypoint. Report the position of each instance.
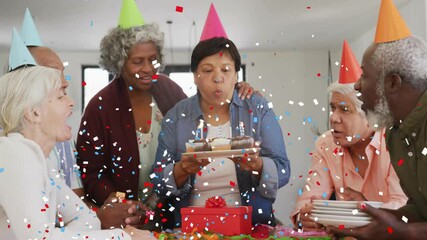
(191, 165)
(119, 214)
(384, 225)
(113, 215)
(350, 194)
(137, 234)
(305, 214)
(250, 162)
(245, 90)
(137, 211)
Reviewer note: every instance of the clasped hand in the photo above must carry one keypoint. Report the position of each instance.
(115, 214)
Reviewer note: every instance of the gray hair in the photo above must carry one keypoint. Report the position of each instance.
(115, 46)
(24, 89)
(348, 90)
(406, 57)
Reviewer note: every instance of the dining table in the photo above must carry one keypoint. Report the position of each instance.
(259, 232)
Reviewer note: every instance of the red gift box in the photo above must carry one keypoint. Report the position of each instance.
(228, 221)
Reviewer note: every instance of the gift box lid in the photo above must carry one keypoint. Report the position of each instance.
(222, 210)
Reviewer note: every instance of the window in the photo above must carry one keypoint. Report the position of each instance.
(94, 79)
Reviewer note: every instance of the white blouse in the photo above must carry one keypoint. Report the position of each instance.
(35, 205)
(217, 178)
(147, 146)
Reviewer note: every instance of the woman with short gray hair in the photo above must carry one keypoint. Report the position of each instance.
(350, 161)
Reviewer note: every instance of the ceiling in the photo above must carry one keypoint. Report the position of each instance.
(79, 25)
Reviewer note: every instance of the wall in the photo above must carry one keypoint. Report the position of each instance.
(288, 76)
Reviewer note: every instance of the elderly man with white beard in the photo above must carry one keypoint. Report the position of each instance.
(393, 90)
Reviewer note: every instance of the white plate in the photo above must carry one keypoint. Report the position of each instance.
(349, 218)
(338, 222)
(343, 204)
(346, 212)
(222, 153)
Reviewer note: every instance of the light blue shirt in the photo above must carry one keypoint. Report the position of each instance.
(179, 126)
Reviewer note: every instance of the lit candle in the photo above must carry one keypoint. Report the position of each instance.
(200, 128)
(242, 128)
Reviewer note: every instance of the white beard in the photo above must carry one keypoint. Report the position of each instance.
(380, 117)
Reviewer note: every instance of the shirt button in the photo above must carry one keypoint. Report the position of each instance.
(410, 154)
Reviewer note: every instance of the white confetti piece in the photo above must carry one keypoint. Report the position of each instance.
(291, 102)
(301, 104)
(270, 105)
(380, 193)
(65, 64)
(405, 219)
(424, 152)
(136, 75)
(315, 102)
(355, 211)
(341, 190)
(259, 211)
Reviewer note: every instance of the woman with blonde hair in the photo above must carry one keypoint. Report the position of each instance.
(34, 205)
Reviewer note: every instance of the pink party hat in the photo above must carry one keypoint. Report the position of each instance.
(350, 70)
(213, 26)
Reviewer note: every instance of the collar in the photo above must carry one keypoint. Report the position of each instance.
(413, 122)
(377, 139)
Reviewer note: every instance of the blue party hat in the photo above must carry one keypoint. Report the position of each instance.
(19, 54)
(29, 32)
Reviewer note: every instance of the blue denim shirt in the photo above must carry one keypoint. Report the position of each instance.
(179, 126)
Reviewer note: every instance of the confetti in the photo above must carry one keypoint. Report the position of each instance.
(390, 230)
(319, 75)
(315, 102)
(424, 152)
(400, 162)
(1, 170)
(179, 9)
(405, 219)
(83, 83)
(233, 184)
(68, 77)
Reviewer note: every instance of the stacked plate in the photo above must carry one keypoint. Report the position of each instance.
(341, 213)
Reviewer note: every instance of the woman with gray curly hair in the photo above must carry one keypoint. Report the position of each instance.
(119, 128)
(117, 141)
(350, 161)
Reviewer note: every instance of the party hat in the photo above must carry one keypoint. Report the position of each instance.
(130, 16)
(19, 54)
(213, 26)
(29, 32)
(390, 26)
(350, 70)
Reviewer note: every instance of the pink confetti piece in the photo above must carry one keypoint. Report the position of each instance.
(390, 230)
(341, 226)
(233, 184)
(400, 162)
(83, 83)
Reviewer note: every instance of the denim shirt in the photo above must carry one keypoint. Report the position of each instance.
(180, 125)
